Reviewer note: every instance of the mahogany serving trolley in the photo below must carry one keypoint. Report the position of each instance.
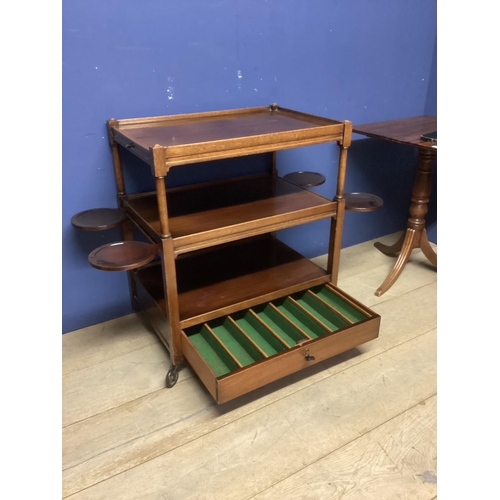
(221, 291)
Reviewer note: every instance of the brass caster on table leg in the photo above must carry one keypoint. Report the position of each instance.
(172, 376)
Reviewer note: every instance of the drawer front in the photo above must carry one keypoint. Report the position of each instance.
(238, 353)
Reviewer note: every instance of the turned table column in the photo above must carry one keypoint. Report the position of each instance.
(409, 131)
(415, 235)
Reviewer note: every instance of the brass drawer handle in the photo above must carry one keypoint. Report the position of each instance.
(308, 356)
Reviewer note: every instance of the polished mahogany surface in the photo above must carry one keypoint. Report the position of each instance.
(212, 126)
(362, 202)
(305, 179)
(98, 219)
(198, 213)
(234, 273)
(122, 256)
(168, 141)
(402, 130)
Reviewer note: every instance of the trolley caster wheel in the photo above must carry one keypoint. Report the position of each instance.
(172, 376)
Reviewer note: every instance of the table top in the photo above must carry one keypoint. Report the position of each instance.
(214, 135)
(218, 126)
(402, 130)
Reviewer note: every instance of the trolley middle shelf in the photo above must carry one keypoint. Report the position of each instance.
(216, 212)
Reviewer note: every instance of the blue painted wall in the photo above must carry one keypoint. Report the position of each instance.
(359, 60)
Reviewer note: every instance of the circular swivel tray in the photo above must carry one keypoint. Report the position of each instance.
(305, 179)
(362, 202)
(98, 219)
(122, 256)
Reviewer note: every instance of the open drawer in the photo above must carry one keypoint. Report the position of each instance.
(238, 353)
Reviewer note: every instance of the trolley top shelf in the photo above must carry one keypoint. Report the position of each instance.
(190, 138)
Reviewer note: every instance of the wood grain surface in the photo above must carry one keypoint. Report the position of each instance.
(363, 421)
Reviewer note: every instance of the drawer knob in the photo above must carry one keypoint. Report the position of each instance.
(308, 356)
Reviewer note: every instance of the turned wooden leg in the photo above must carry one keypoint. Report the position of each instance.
(400, 263)
(415, 235)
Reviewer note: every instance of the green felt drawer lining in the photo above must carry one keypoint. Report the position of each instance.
(348, 310)
(261, 335)
(288, 332)
(322, 312)
(305, 322)
(235, 342)
(220, 362)
(258, 329)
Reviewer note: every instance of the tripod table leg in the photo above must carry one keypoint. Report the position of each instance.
(390, 250)
(407, 247)
(427, 250)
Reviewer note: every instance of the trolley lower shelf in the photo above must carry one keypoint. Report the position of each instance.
(230, 277)
(240, 352)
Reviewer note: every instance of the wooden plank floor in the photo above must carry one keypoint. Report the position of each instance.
(361, 425)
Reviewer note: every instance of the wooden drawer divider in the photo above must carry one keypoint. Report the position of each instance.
(308, 314)
(289, 322)
(270, 329)
(324, 303)
(247, 337)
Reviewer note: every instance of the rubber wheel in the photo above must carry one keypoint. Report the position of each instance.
(172, 377)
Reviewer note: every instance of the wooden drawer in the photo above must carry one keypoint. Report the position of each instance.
(238, 353)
